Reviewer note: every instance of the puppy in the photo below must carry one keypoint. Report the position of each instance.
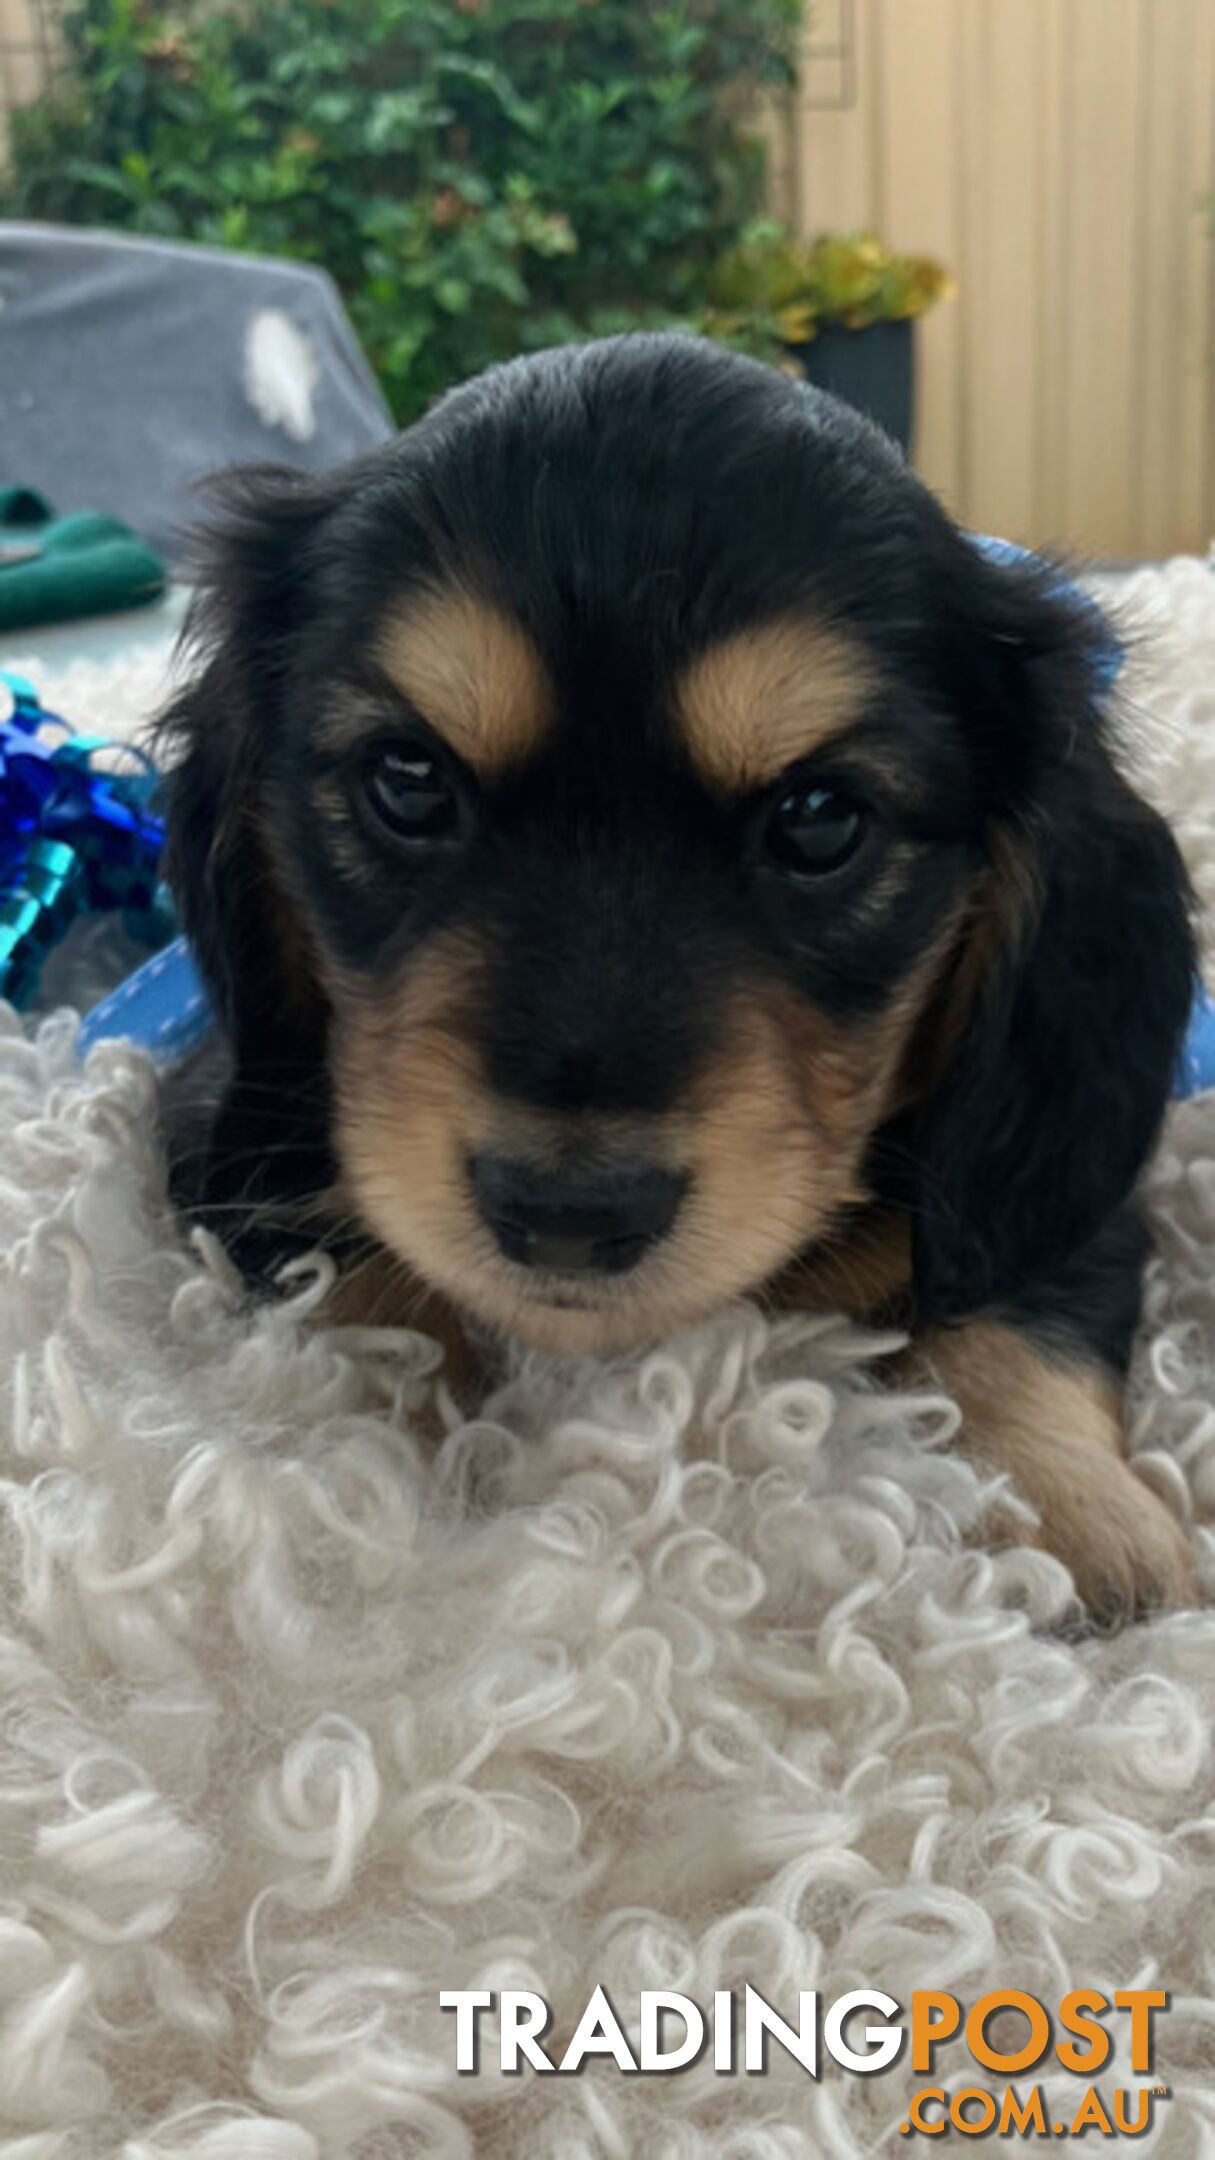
(641, 852)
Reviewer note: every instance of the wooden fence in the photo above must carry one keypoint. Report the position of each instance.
(1058, 156)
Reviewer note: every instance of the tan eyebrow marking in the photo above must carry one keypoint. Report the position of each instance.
(471, 672)
(770, 694)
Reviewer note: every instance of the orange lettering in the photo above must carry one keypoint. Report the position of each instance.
(1039, 2031)
(927, 2030)
(1070, 2015)
(1091, 2111)
(930, 2092)
(1140, 2002)
(1015, 2117)
(1143, 2116)
(988, 2105)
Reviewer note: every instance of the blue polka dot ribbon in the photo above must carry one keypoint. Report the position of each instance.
(1196, 1065)
(162, 1007)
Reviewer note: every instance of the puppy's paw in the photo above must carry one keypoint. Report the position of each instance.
(1128, 1555)
(1055, 1429)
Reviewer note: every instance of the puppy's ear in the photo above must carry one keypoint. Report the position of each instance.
(1054, 1094)
(215, 742)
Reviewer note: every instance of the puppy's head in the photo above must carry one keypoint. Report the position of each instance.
(625, 827)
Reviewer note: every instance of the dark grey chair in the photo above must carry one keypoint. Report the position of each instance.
(129, 368)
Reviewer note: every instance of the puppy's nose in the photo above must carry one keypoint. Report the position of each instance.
(593, 1225)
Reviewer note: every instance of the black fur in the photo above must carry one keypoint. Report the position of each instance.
(1054, 1098)
(630, 503)
(1091, 1303)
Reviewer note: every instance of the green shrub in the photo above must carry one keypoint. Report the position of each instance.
(770, 291)
(479, 176)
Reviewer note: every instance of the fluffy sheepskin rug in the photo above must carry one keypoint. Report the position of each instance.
(676, 1675)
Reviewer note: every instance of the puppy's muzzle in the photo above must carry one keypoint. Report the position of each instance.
(599, 1224)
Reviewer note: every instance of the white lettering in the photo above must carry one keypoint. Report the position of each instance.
(517, 2002)
(723, 2029)
(598, 2033)
(465, 2002)
(884, 2041)
(653, 2003)
(761, 2017)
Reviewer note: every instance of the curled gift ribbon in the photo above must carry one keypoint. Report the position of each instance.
(74, 840)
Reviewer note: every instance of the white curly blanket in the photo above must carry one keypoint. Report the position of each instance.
(670, 1676)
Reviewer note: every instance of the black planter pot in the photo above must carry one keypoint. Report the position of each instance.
(871, 369)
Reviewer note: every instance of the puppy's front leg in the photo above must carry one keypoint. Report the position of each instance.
(1054, 1423)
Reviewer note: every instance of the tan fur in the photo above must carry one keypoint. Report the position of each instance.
(863, 1265)
(1055, 1426)
(470, 671)
(756, 702)
(998, 914)
(346, 718)
(772, 1138)
(862, 1268)
(379, 1290)
(345, 845)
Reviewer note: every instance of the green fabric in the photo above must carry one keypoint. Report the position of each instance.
(64, 567)
(21, 506)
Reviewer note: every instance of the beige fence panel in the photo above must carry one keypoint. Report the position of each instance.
(26, 47)
(1058, 155)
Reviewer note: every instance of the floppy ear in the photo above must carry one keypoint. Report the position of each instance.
(268, 1140)
(1053, 1097)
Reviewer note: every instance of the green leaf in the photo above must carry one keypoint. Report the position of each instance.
(453, 294)
(395, 118)
(97, 176)
(485, 75)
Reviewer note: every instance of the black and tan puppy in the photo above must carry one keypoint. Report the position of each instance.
(640, 853)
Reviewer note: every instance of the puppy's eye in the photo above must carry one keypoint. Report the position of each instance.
(815, 829)
(410, 795)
